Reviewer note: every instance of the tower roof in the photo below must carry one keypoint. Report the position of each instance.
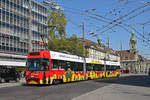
(132, 39)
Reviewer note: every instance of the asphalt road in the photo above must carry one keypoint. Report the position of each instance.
(68, 91)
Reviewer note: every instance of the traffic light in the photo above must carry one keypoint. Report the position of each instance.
(41, 43)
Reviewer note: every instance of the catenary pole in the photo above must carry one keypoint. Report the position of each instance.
(84, 64)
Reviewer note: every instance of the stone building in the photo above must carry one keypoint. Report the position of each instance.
(100, 51)
(14, 30)
(130, 59)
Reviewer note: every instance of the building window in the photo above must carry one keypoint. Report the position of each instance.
(126, 58)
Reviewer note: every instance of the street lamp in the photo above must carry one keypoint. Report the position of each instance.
(49, 2)
(53, 5)
(95, 35)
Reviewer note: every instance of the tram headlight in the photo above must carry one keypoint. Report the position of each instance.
(32, 76)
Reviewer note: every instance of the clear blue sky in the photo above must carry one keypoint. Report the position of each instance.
(76, 13)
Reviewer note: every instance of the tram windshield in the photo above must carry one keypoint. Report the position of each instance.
(38, 64)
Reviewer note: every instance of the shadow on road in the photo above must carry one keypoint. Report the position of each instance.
(35, 85)
(136, 80)
(44, 85)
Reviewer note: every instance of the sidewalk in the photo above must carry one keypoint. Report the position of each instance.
(117, 92)
(12, 83)
(131, 74)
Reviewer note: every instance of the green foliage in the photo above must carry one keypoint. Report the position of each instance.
(71, 44)
(57, 39)
(57, 24)
(75, 45)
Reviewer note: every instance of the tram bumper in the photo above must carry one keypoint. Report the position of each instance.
(32, 81)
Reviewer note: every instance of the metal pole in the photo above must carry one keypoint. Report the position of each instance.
(105, 62)
(121, 63)
(30, 26)
(84, 64)
(106, 56)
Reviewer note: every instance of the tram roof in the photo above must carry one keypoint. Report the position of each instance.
(75, 58)
(66, 57)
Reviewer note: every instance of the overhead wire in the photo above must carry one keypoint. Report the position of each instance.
(121, 17)
(125, 15)
(116, 24)
(79, 26)
(87, 12)
(140, 38)
(81, 13)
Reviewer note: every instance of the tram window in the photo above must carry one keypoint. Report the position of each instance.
(63, 65)
(73, 64)
(114, 68)
(118, 67)
(111, 68)
(95, 68)
(98, 67)
(68, 65)
(54, 64)
(51, 63)
(45, 64)
(75, 67)
(101, 67)
(59, 64)
(80, 67)
(89, 67)
(108, 68)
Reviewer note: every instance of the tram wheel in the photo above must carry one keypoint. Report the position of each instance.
(49, 80)
(89, 78)
(118, 76)
(2, 80)
(61, 81)
(6, 80)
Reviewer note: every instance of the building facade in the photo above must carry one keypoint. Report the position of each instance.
(101, 52)
(14, 29)
(131, 60)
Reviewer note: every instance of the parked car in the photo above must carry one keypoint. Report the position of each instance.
(7, 74)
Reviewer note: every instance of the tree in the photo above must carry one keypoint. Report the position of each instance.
(57, 28)
(57, 24)
(57, 39)
(76, 46)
